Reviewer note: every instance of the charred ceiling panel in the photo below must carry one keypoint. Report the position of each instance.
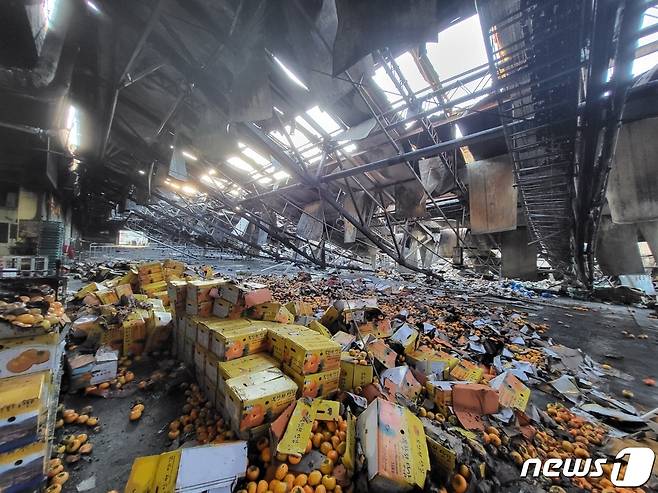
(633, 183)
(436, 178)
(492, 195)
(309, 227)
(410, 200)
(365, 209)
(211, 137)
(250, 95)
(22, 31)
(364, 27)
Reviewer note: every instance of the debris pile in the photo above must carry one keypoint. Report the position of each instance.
(367, 385)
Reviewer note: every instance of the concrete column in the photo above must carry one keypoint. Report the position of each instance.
(519, 258)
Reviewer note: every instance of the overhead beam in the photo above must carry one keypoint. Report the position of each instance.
(433, 150)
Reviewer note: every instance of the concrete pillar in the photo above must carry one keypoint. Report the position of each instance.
(519, 258)
(617, 250)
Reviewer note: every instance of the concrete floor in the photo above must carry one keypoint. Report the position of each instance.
(119, 440)
(596, 332)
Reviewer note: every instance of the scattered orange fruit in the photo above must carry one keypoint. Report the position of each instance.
(252, 473)
(314, 478)
(281, 472)
(329, 482)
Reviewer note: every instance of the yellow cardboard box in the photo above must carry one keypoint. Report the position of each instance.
(155, 287)
(257, 398)
(233, 344)
(312, 354)
(209, 387)
(177, 294)
(316, 384)
(277, 334)
(467, 371)
(349, 457)
(405, 336)
(23, 469)
(162, 296)
(218, 325)
(319, 328)
(188, 351)
(329, 316)
(211, 367)
(272, 312)
(199, 291)
(191, 323)
(145, 279)
(23, 409)
(395, 447)
(92, 287)
(225, 370)
(112, 336)
(134, 336)
(352, 374)
(203, 309)
(299, 427)
(203, 334)
(187, 469)
(173, 266)
(107, 297)
(124, 290)
(428, 361)
(222, 308)
(300, 308)
(148, 268)
(200, 359)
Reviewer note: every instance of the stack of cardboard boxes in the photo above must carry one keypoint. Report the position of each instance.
(251, 368)
(30, 374)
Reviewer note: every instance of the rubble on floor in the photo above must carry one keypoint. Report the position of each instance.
(321, 384)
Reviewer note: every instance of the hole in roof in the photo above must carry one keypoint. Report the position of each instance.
(240, 164)
(644, 63)
(649, 18)
(324, 120)
(307, 126)
(411, 73)
(255, 157)
(466, 34)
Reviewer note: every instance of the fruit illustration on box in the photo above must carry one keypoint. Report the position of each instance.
(254, 417)
(235, 350)
(312, 389)
(312, 363)
(27, 359)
